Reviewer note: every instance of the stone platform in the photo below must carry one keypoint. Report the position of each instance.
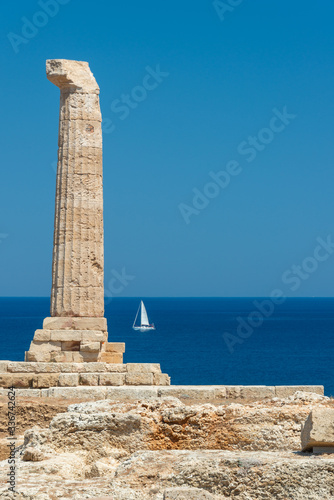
(91, 381)
(30, 375)
(74, 340)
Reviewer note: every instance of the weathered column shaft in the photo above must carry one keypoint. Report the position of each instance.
(77, 267)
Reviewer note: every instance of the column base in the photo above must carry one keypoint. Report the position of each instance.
(75, 323)
(74, 340)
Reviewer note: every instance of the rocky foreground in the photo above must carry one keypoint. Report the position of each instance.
(161, 448)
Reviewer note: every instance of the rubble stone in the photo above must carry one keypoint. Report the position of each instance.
(318, 429)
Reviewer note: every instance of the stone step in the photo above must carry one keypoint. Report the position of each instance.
(237, 392)
(70, 335)
(75, 323)
(76, 346)
(42, 375)
(99, 367)
(45, 380)
(128, 392)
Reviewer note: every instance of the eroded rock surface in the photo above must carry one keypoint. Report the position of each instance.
(162, 449)
(156, 475)
(167, 423)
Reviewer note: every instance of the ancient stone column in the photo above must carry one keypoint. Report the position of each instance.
(77, 269)
(77, 330)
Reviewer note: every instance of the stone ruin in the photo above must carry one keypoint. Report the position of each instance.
(77, 329)
(76, 332)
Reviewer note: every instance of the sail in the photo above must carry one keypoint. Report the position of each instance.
(144, 318)
(136, 317)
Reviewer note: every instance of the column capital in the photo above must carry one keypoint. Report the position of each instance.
(71, 76)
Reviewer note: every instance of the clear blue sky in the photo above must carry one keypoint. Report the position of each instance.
(225, 78)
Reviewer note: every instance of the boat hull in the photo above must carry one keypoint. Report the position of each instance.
(143, 328)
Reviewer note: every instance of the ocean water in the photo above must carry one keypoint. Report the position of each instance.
(293, 345)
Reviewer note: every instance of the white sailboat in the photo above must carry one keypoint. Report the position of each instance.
(144, 322)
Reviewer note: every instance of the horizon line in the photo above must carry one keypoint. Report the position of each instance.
(176, 297)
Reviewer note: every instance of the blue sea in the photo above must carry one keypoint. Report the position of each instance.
(200, 341)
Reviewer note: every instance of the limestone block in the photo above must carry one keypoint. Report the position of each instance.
(71, 76)
(78, 366)
(83, 245)
(220, 392)
(87, 186)
(66, 335)
(111, 357)
(89, 357)
(115, 347)
(90, 346)
(61, 357)
(257, 392)
(77, 357)
(93, 367)
(19, 380)
(38, 357)
(85, 160)
(24, 367)
(126, 393)
(112, 379)
(143, 368)
(80, 133)
(83, 233)
(93, 336)
(115, 367)
(161, 379)
(78, 106)
(80, 392)
(44, 347)
(4, 366)
(81, 300)
(185, 493)
(233, 391)
(284, 391)
(32, 367)
(88, 270)
(63, 367)
(28, 393)
(200, 392)
(70, 346)
(68, 379)
(45, 380)
(73, 367)
(42, 336)
(318, 429)
(250, 392)
(139, 378)
(58, 324)
(89, 379)
(92, 205)
(99, 324)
